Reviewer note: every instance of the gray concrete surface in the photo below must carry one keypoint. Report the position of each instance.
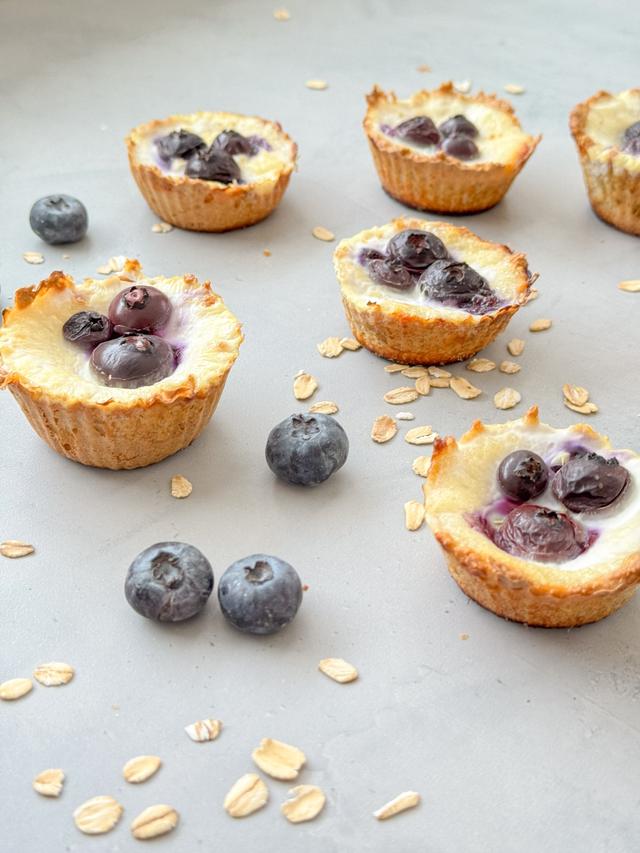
(518, 739)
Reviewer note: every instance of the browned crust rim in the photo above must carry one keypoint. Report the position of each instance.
(578, 121)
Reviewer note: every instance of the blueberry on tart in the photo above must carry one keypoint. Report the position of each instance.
(606, 130)
(211, 171)
(422, 292)
(120, 372)
(540, 525)
(443, 151)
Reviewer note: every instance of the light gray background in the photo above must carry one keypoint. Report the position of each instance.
(518, 739)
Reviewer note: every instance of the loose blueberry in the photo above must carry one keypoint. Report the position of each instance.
(169, 581)
(260, 594)
(538, 533)
(420, 130)
(233, 143)
(416, 249)
(306, 449)
(390, 273)
(87, 327)
(59, 219)
(459, 286)
(179, 143)
(133, 361)
(213, 165)
(461, 147)
(522, 475)
(140, 308)
(458, 124)
(588, 482)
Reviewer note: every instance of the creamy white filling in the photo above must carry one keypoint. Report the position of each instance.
(607, 120)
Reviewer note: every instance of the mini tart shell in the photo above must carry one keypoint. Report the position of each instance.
(437, 182)
(134, 430)
(388, 329)
(198, 205)
(518, 589)
(614, 191)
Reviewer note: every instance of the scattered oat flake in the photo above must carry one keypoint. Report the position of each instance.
(401, 395)
(114, 264)
(324, 407)
(586, 409)
(33, 257)
(277, 759)
(383, 429)
(414, 372)
(15, 688)
(439, 381)
(247, 796)
(509, 367)
(395, 368)
(97, 815)
(321, 233)
(516, 346)
(13, 548)
(481, 365)
(266, 253)
(351, 344)
(282, 14)
(463, 388)
(514, 89)
(540, 325)
(180, 486)
(575, 394)
(413, 515)
(304, 386)
(318, 85)
(464, 636)
(54, 674)
(438, 372)
(423, 69)
(338, 669)
(161, 228)
(305, 803)
(533, 294)
(406, 416)
(462, 86)
(49, 783)
(506, 398)
(421, 465)
(154, 821)
(407, 800)
(204, 730)
(420, 435)
(423, 385)
(66, 257)
(330, 347)
(141, 768)
(630, 286)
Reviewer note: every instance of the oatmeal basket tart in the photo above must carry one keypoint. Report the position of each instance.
(254, 161)
(69, 406)
(417, 170)
(587, 562)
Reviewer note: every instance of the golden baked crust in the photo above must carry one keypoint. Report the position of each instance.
(199, 205)
(417, 334)
(551, 595)
(437, 181)
(612, 177)
(114, 427)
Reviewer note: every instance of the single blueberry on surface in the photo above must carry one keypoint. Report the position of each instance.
(460, 146)
(537, 533)
(213, 165)
(169, 581)
(306, 449)
(366, 255)
(133, 361)
(522, 475)
(233, 143)
(415, 249)
(260, 594)
(87, 327)
(588, 482)
(179, 143)
(458, 285)
(390, 273)
(59, 219)
(458, 124)
(420, 130)
(140, 308)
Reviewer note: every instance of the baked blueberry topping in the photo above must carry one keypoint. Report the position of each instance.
(631, 133)
(87, 327)
(179, 143)
(460, 146)
(632, 145)
(133, 361)
(588, 482)
(416, 249)
(59, 219)
(169, 581)
(538, 533)
(233, 143)
(391, 273)
(522, 475)
(458, 124)
(365, 256)
(213, 164)
(420, 130)
(260, 594)
(459, 286)
(306, 449)
(140, 308)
